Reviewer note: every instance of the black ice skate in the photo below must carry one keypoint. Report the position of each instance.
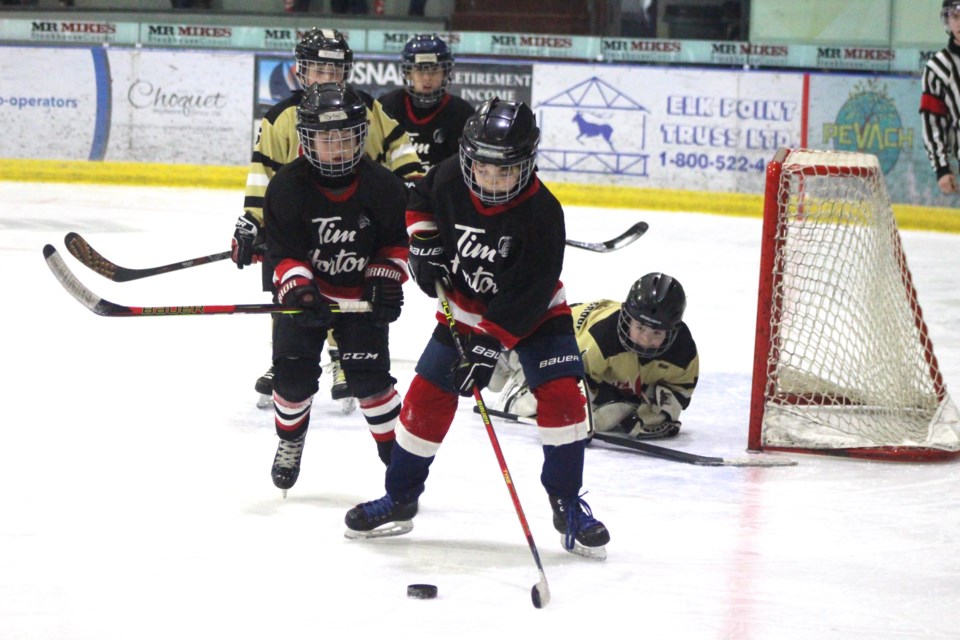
(338, 381)
(379, 519)
(286, 464)
(264, 387)
(583, 534)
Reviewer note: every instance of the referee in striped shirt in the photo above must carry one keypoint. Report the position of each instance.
(940, 101)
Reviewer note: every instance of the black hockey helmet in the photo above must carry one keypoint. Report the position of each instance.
(657, 301)
(332, 127)
(504, 134)
(320, 47)
(426, 52)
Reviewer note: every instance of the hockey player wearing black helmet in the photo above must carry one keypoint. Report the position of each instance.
(940, 102)
(425, 108)
(640, 360)
(322, 55)
(485, 227)
(334, 232)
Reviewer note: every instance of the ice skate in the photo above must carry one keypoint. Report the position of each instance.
(338, 388)
(264, 387)
(379, 519)
(286, 463)
(583, 534)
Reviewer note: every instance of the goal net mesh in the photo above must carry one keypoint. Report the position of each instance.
(849, 362)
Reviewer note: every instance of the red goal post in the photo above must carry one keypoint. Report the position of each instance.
(843, 362)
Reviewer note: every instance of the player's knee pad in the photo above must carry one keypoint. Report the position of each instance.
(560, 403)
(296, 378)
(428, 410)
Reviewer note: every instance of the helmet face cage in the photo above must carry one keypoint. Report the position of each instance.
(426, 53)
(656, 301)
(333, 152)
(499, 190)
(323, 51)
(498, 150)
(309, 70)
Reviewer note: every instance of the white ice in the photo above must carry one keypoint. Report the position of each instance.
(136, 501)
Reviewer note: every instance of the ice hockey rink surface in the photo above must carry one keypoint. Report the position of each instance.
(136, 499)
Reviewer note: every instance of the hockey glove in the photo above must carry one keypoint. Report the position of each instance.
(383, 291)
(427, 263)
(480, 355)
(243, 248)
(299, 291)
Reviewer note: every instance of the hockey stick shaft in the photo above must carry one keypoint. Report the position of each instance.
(540, 592)
(666, 453)
(630, 235)
(93, 259)
(103, 307)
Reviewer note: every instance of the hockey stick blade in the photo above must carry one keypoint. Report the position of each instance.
(622, 240)
(757, 460)
(93, 259)
(103, 307)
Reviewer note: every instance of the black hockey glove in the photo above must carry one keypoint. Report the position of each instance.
(383, 291)
(480, 355)
(427, 262)
(244, 249)
(302, 292)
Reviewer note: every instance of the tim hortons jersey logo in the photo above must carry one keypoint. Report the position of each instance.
(343, 261)
(471, 250)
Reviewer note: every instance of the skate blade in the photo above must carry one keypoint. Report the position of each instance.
(348, 405)
(265, 401)
(591, 553)
(396, 528)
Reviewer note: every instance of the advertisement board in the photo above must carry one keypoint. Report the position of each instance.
(690, 129)
(877, 115)
(180, 107)
(52, 115)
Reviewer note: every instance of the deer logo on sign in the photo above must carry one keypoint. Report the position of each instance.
(592, 129)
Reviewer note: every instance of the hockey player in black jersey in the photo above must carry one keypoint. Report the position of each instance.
(322, 55)
(430, 114)
(641, 361)
(335, 232)
(485, 226)
(940, 101)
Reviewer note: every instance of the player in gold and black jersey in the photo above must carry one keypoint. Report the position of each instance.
(430, 114)
(334, 232)
(322, 55)
(640, 359)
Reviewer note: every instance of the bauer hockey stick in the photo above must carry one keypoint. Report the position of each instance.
(622, 240)
(540, 592)
(753, 460)
(103, 307)
(93, 259)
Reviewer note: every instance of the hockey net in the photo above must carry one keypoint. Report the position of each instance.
(843, 362)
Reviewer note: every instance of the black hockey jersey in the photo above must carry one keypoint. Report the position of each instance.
(435, 131)
(336, 233)
(505, 261)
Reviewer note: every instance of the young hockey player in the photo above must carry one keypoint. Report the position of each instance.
(335, 232)
(322, 55)
(940, 101)
(486, 227)
(432, 116)
(639, 356)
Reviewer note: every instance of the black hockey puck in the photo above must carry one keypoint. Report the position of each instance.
(422, 591)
